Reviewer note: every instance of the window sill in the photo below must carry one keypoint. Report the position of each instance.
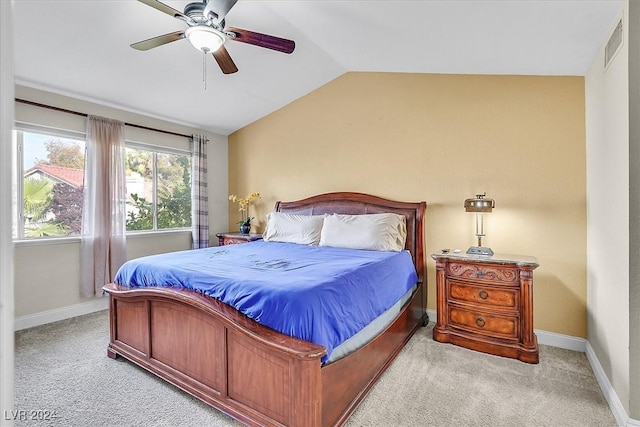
(47, 241)
(156, 233)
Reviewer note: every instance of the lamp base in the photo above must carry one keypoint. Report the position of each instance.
(479, 250)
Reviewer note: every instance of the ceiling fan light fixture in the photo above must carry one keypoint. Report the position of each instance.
(205, 39)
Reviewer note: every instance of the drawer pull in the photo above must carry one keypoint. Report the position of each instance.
(480, 322)
(483, 294)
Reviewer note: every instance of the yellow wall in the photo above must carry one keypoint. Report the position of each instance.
(442, 139)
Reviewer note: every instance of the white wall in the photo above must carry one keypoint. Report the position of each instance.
(607, 134)
(53, 286)
(6, 248)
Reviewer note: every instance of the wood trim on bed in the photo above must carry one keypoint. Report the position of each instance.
(251, 372)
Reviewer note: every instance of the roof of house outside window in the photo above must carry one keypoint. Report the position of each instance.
(71, 176)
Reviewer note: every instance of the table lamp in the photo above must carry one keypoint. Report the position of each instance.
(479, 206)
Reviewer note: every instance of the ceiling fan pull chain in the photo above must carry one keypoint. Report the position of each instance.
(204, 69)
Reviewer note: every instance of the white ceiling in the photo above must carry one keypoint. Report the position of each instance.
(81, 48)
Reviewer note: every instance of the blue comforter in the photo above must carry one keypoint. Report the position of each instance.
(319, 294)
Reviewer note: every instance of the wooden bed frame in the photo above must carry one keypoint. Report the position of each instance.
(253, 373)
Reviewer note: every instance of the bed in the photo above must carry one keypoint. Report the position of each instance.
(250, 371)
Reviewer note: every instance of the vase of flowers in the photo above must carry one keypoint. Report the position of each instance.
(243, 204)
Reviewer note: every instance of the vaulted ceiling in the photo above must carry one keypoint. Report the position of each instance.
(81, 49)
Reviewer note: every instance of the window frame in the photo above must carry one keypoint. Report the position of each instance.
(18, 163)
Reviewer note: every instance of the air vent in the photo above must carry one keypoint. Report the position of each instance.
(613, 45)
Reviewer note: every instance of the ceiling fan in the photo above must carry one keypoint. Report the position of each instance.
(207, 31)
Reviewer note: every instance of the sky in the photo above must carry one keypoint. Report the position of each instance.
(35, 150)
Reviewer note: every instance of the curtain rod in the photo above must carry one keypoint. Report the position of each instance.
(64, 110)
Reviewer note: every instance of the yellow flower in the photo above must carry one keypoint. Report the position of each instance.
(243, 205)
(245, 201)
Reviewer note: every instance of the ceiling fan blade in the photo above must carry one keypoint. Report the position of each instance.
(224, 60)
(219, 7)
(262, 40)
(164, 8)
(158, 41)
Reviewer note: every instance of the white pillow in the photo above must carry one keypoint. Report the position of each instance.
(292, 228)
(377, 232)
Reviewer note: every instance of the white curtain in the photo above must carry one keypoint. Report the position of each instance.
(104, 210)
(199, 199)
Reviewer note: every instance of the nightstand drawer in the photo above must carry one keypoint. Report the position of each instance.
(235, 238)
(483, 273)
(486, 296)
(505, 327)
(233, 241)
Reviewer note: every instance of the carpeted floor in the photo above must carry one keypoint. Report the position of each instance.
(62, 370)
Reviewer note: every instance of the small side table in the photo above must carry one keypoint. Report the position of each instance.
(485, 303)
(231, 238)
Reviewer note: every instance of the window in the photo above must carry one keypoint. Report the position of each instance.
(158, 188)
(49, 183)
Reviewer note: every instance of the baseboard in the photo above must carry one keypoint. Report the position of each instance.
(609, 393)
(49, 316)
(562, 341)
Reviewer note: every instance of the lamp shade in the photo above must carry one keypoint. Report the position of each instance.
(479, 204)
(204, 38)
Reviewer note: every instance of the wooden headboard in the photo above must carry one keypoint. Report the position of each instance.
(360, 203)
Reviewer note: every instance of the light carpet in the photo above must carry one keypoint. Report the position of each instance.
(63, 368)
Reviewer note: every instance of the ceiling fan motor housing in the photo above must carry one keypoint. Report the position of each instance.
(195, 11)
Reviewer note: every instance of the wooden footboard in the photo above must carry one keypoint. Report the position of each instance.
(220, 356)
(250, 372)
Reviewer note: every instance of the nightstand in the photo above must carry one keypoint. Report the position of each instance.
(485, 303)
(233, 238)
